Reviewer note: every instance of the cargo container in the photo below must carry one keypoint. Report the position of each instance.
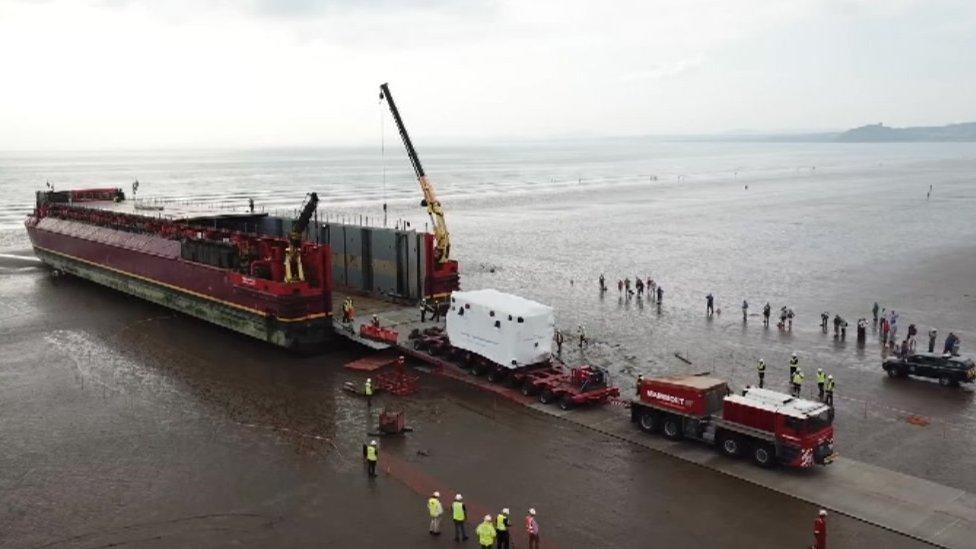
(502, 331)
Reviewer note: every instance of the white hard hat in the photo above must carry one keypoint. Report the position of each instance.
(487, 518)
(831, 376)
(369, 380)
(458, 497)
(823, 513)
(761, 360)
(437, 494)
(794, 353)
(819, 369)
(372, 443)
(531, 511)
(505, 511)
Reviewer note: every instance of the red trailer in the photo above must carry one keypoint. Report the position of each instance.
(433, 341)
(582, 385)
(771, 427)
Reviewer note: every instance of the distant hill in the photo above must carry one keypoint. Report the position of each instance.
(881, 133)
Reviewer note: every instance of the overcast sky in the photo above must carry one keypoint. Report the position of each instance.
(134, 74)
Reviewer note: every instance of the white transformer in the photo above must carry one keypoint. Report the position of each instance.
(506, 329)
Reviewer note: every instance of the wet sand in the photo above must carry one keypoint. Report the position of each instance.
(125, 424)
(835, 242)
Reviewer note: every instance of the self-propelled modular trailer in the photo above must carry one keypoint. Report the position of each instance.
(772, 428)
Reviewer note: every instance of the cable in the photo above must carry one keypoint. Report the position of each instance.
(379, 105)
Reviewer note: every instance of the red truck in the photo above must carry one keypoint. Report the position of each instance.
(773, 428)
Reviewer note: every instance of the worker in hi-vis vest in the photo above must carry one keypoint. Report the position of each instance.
(486, 533)
(436, 511)
(821, 381)
(372, 455)
(798, 383)
(761, 370)
(459, 514)
(829, 390)
(501, 529)
(368, 390)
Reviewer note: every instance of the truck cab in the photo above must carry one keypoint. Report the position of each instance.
(800, 431)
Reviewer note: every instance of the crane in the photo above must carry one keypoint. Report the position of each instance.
(292, 257)
(441, 235)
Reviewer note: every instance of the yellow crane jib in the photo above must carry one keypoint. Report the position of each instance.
(442, 237)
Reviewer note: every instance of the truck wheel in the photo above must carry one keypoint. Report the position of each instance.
(566, 403)
(763, 455)
(892, 372)
(946, 381)
(527, 388)
(730, 445)
(495, 375)
(546, 396)
(672, 428)
(418, 345)
(649, 421)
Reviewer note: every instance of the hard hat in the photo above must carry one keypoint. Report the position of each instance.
(762, 361)
(505, 511)
(437, 494)
(487, 518)
(531, 511)
(794, 354)
(831, 376)
(819, 369)
(372, 443)
(458, 497)
(823, 513)
(368, 380)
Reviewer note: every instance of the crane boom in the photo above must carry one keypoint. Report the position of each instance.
(311, 202)
(434, 209)
(294, 270)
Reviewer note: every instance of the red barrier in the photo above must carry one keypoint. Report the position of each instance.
(377, 333)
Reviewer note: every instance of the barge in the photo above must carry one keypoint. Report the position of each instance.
(266, 277)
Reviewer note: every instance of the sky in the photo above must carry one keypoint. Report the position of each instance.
(266, 73)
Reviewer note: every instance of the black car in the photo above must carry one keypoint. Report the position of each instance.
(948, 369)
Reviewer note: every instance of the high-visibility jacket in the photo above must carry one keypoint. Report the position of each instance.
(371, 453)
(531, 526)
(798, 378)
(486, 533)
(501, 523)
(458, 511)
(435, 508)
(761, 366)
(830, 385)
(369, 388)
(821, 378)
